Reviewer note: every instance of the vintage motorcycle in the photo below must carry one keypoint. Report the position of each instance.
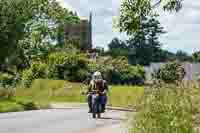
(97, 101)
(96, 104)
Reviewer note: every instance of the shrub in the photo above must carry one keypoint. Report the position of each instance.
(8, 80)
(68, 66)
(170, 73)
(118, 71)
(37, 70)
(132, 74)
(164, 110)
(7, 85)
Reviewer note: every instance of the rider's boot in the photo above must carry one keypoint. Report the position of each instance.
(90, 108)
(90, 103)
(103, 108)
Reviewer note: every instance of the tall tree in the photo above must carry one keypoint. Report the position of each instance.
(163, 56)
(30, 21)
(117, 48)
(13, 17)
(145, 42)
(117, 43)
(183, 56)
(132, 11)
(60, 17)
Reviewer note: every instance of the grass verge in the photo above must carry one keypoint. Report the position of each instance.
(125, 96)
(42, 92)
(167, 109)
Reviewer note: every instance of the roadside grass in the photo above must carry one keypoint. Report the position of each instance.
(16, 104)
(44, 91)
(9, 106)
(52, 91)
(195, 97)
(167, 109)
(125, 96)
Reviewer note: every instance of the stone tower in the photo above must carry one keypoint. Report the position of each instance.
(81, 32)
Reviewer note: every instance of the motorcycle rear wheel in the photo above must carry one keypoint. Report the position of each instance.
(99, 115)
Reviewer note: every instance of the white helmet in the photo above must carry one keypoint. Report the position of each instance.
(97, 76)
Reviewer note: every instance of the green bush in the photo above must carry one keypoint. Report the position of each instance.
(132, 74)
(118, 71)
(37, 70)
(164, 110)
(8, 80)
(68, 66)
(76, 67)
(170, 73)
(7, 85)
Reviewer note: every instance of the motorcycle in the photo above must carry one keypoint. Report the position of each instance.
(96, 102)
(97, 107)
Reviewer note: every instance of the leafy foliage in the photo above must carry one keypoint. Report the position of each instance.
(75, 67)
(37, 70)
(162, 55)
(144, 46)
(196, 56)
(132, 11)
(30, 30)
(8, 79)
(72, 67)
(139, 51)
(144, 43)
(118, 71)
(29, 25)
(170, 73)
(14, 16)
(117, 48)
(183, 56)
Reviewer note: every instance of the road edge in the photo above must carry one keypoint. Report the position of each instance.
(81, 105)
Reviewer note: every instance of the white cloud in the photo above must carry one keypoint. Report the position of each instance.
(183, 28)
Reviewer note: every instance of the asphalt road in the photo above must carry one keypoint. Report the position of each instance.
(58, 121)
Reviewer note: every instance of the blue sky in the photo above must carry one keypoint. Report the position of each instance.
(183, 28)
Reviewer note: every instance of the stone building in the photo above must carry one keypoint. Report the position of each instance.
(81, 32)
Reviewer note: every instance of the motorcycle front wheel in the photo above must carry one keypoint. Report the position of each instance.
(93, 115)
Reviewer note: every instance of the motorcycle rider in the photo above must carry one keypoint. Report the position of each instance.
(97, 83)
